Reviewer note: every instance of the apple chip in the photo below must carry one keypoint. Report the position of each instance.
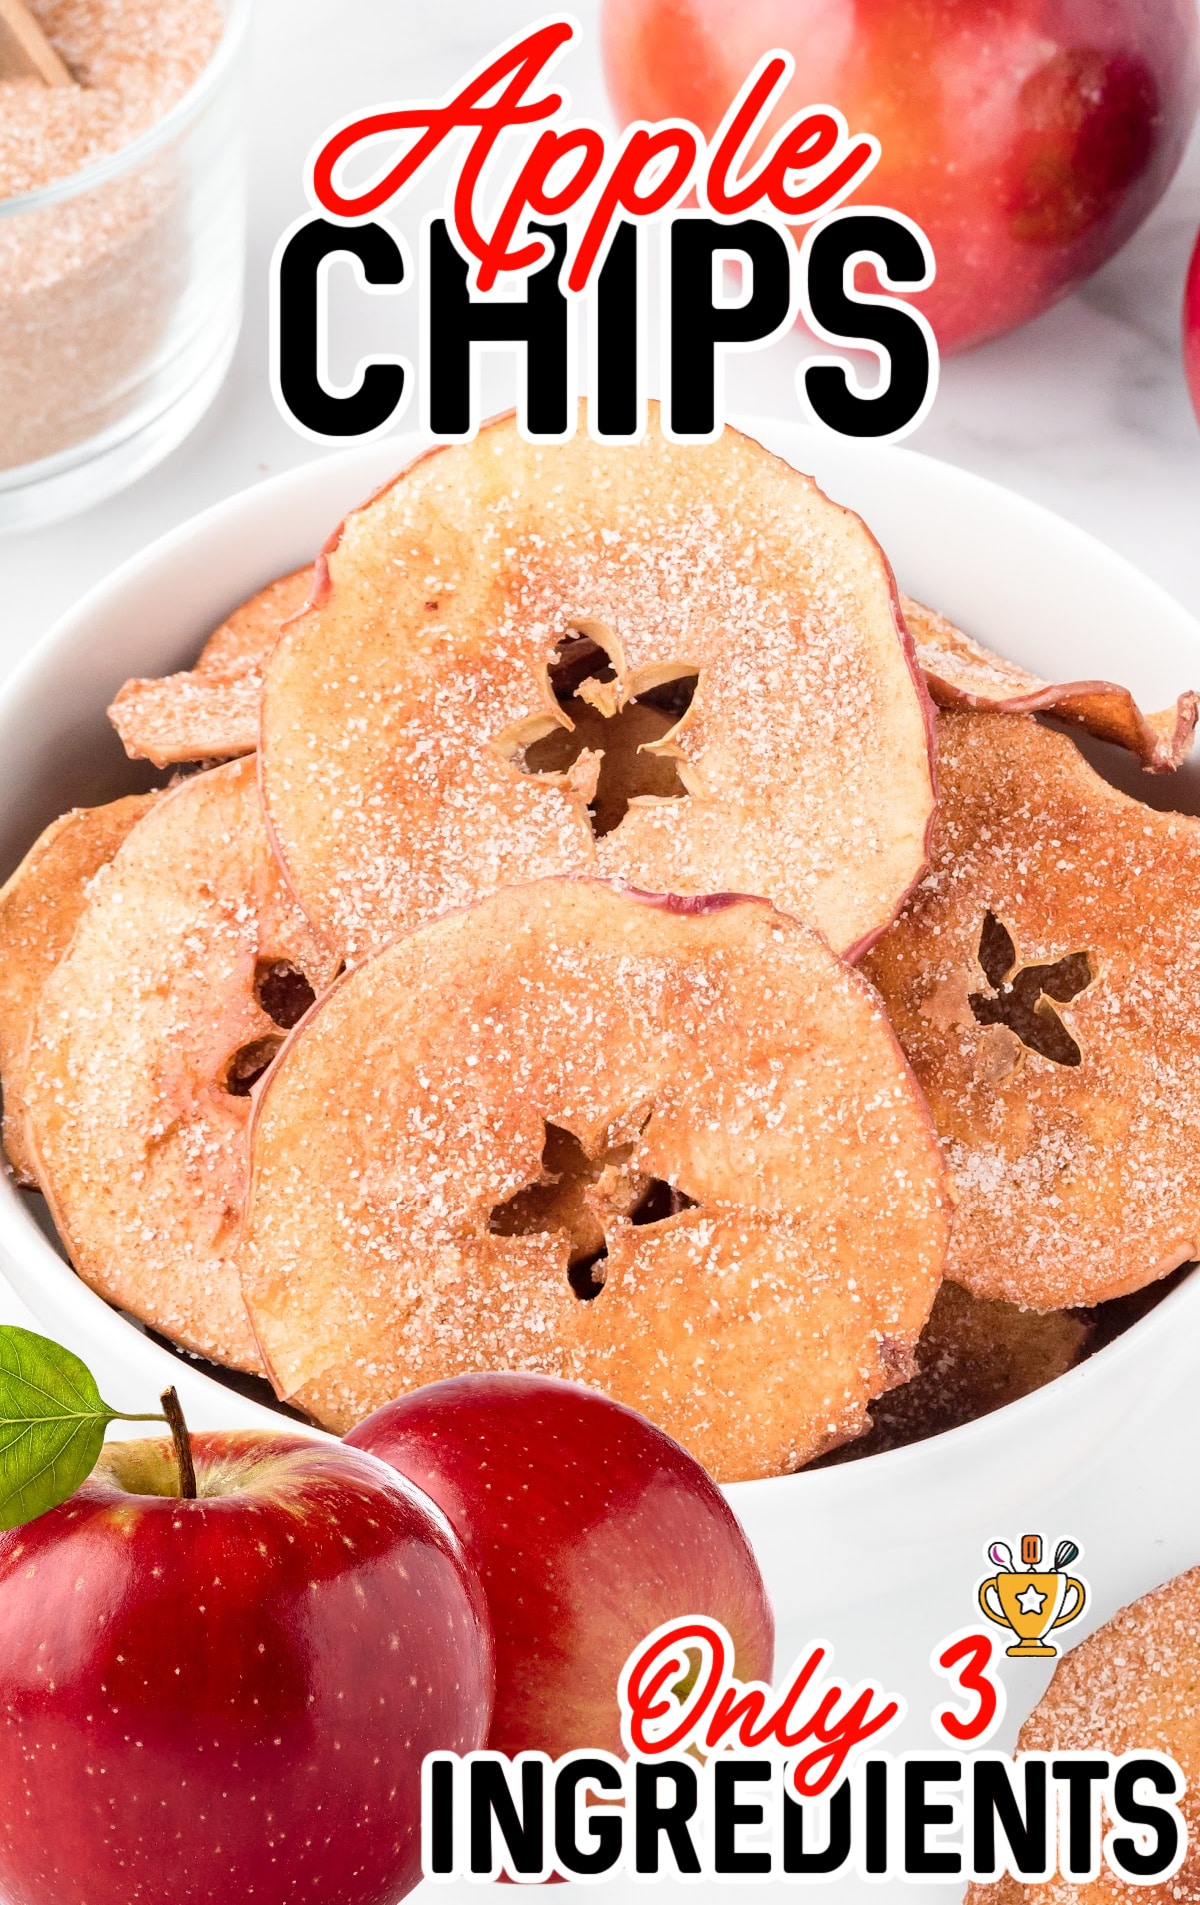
(210, 712)
(437, 725)
(974, 1356)
(667, 1148)
(962, 674)
(245, 639)
(186, 968)
(1044, 983)
(189, 717)
(39, 906)
(1128, 1688)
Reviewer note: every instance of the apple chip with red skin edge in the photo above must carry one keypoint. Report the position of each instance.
(760, 1166)
(210, 712)
(1128, 1688)
(40, 904)
(963, 674)
(1043, 981)
(186, 967)
(403, 709)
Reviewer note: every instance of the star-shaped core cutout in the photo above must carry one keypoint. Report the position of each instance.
(285, 996)
(1021, 999)
(1031, 1601)
(582, 1197)
(610, 752)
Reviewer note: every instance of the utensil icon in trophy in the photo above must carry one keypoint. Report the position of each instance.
(1031, 1600)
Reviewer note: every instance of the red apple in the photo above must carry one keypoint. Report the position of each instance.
(1028, 138)
(229, 1698)
(588, 1528)
(1191, 328)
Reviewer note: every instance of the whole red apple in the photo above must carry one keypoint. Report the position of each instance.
(588, 1528)
(228, 1698)
(1191, 328)
(1028, 138)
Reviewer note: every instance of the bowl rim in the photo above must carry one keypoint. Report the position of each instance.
(1107, 1369)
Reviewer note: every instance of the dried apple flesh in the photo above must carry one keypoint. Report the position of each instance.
(402, 709)
(142, 1039)
(703, 1102)
(40, 905)
(210, 712)
(1129, 1687)
(963, 674)
(1077, 1181)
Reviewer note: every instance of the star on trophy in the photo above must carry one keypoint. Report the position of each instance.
(1030, 1600)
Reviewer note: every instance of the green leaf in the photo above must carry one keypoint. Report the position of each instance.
(52, 1423)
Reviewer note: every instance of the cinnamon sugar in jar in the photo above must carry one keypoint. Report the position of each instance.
(121, 244)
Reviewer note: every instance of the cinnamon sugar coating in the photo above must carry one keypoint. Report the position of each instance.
(40, 905)
(961, 673)
(398, 709)
(1133, 1686)
(1076, 1181)
(138, 1140)
(133, 60)
(89, 282)
(720, 1053)
(210, 712)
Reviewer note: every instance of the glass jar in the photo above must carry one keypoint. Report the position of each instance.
(121, 299)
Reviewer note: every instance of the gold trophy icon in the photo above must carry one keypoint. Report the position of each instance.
(1030, 1600)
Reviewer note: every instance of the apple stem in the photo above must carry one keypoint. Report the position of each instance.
(173, 1410)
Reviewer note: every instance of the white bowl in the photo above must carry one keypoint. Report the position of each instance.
(1013, 574)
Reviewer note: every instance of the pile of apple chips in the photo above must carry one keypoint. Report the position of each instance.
(558, 952)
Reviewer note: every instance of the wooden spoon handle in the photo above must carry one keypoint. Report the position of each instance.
(35, 53)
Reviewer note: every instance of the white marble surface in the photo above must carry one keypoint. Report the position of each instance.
(1085, 409)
